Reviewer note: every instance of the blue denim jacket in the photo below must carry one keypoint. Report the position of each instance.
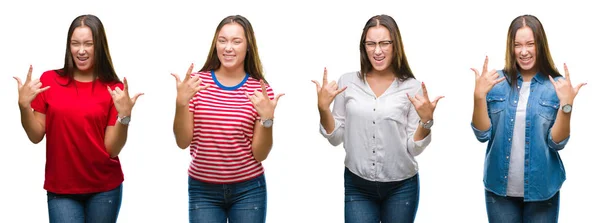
(544, 171)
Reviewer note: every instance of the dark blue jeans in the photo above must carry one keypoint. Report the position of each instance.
(515, 210)
(239, 202)
(100, 207)
(374, 202)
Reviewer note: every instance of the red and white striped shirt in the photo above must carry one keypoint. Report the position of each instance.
(224, 118)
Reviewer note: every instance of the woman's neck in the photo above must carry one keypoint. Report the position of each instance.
(83, 76)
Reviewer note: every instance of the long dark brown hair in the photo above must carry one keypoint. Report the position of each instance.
(399, 62)
(103, 67)
(252, 64)
(543, 62)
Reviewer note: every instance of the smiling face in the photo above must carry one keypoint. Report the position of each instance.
(379, 47)
(82, 49)
(232, 46)
(525, 51)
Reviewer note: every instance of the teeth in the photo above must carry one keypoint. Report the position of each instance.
(526, 59)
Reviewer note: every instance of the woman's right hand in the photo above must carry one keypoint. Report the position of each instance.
(29, 90)
(327, 92)
(187, 88)
(486, 81)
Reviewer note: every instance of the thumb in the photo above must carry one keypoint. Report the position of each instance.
(277, 98)
(435, 101)
(135, 97)
(19, 83)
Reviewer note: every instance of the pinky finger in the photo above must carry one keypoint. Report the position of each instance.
(499, 80)
(42, 89)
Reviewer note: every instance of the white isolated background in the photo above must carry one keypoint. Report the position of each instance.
(442, 39)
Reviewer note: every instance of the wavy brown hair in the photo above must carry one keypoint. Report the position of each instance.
(543, 62)
(399, 62)
(252, 64)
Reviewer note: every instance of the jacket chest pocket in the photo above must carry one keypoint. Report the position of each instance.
(548, 109)
(496, 104)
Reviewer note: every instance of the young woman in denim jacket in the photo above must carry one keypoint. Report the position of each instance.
(524, 111)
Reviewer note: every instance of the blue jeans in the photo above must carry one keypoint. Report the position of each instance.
(370, 201)
(94, 207)
(515, 210)
(239, 202)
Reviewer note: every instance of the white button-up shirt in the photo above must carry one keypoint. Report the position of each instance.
(377, 131)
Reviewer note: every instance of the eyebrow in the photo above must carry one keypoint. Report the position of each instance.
(233, 37)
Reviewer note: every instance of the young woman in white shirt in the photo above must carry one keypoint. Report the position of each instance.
(383, 116)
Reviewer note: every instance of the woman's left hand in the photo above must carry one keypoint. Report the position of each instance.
(262, 103)
(422, 104)
(564, 89)
(123, 103)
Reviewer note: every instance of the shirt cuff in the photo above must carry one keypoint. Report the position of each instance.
(557, 146)
(324, 132)
(423, 142)
(482, 136)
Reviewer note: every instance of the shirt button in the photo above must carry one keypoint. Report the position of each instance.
(515, 102)
(508, 139)
(507, 157)
(373, 164)
(373, 122)
(505, 177)
(511, 120)
(373, 151)
(373, 109)
(373, 136)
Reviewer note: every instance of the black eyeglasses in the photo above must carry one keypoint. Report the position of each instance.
(384, 45)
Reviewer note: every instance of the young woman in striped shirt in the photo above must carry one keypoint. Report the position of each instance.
(224, 113)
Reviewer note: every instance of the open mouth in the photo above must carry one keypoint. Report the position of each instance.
(526, 59)
(379, 59)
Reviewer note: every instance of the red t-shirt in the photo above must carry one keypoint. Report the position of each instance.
(224, 118)
(77, 115)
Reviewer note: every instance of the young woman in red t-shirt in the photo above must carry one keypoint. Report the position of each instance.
(224, 114)
(77, 108)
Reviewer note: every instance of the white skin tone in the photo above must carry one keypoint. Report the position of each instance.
(82, 51)
(379, 79)
(526, 57)
(231, 47)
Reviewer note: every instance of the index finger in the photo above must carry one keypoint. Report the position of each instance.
(567, 75)
(29, 74)
(324, 76)
(425, 95)
(485, 64)
(189, 72)
(125, 85)
(264, 88)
